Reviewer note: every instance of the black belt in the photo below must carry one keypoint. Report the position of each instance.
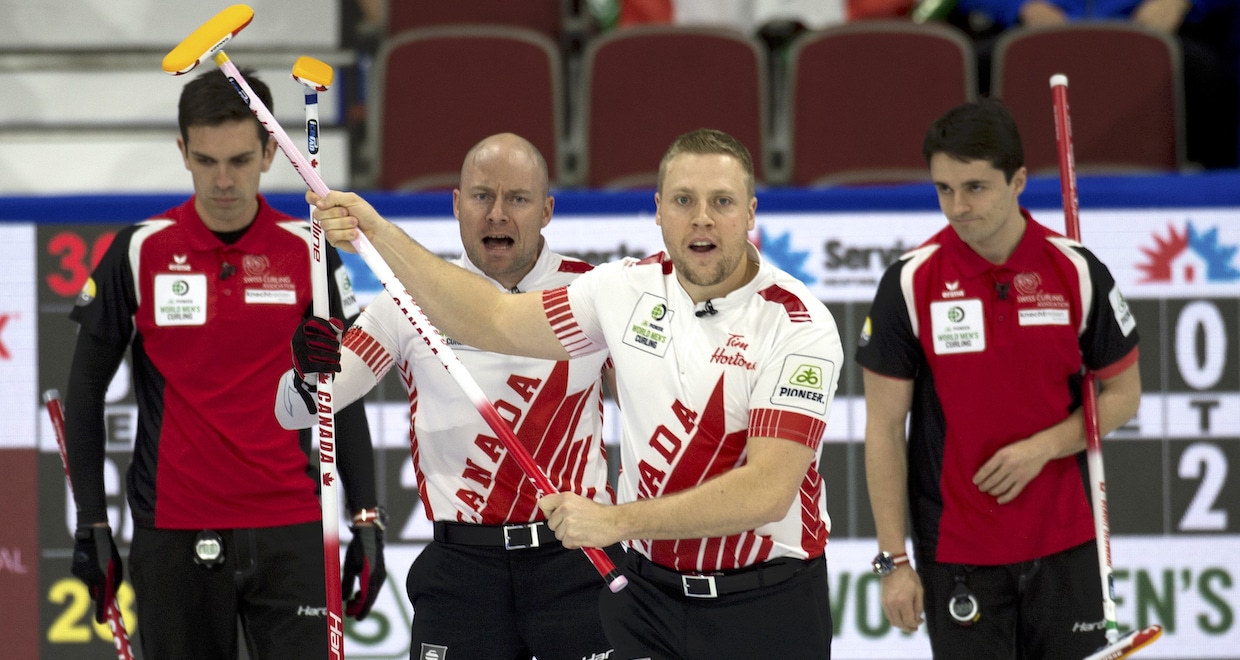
(509, 537)
(696, 585)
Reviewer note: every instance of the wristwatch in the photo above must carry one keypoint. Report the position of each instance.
(885, 563)
(376, 516)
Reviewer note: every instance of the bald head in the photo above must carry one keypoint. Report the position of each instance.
(502, 205)
(513, 150)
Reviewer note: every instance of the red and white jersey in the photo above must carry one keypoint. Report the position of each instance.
(464, 472)
(995, 352)
(208, 324)
(693, 389)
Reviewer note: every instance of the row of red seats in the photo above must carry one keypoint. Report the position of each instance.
(851, 105)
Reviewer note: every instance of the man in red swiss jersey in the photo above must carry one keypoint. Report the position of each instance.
(227, 523)
(982, 334)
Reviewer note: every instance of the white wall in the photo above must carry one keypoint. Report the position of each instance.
(77, 119)
(121, 24)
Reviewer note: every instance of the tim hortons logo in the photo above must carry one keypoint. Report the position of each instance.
(733, 353)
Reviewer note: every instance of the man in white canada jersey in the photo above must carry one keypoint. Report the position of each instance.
(726, 369)
(496, 582)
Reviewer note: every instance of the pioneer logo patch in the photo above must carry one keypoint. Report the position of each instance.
(805, 383)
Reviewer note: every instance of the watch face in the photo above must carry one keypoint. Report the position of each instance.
(883, 565)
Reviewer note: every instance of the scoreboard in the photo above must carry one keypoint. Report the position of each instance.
(1174, 501)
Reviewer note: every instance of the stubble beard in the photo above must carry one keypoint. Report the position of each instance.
(708, 275)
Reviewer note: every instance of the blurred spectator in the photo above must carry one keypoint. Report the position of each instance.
(775, 22)
(1208, 32)
(362, 26)
(744, 15)
(859, 10)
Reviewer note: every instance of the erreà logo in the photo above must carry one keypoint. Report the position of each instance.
(1188, 256)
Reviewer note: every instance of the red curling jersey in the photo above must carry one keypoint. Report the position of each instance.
(464, 472)
(693, 389)
(209, 327)
(996, 354)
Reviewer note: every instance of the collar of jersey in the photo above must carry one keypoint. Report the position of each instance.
(971, 264)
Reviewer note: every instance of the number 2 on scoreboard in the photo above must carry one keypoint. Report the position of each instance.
(74, 624)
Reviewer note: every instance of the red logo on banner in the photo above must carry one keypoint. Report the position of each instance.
(4, 320)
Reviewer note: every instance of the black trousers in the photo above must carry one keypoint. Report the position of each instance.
(1046, 608)
(486, 602)
(651, 619)
(271, 580)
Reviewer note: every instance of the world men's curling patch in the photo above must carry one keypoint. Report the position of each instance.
(650, 325)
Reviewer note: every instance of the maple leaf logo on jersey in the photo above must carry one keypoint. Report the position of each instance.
(700, 446)
(328, 479)
(1188, 256)
(546, 418)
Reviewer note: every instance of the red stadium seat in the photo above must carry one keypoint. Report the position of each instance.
(1124, 93)
(544, 16)
(644, 86)
(437, 91)
(859, 98)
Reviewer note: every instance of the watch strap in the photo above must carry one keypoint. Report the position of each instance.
(374, 516)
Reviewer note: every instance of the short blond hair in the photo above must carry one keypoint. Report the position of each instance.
(706, 142)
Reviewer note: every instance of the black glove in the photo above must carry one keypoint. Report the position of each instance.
(364, 561)
(97, 563)
(316, 346)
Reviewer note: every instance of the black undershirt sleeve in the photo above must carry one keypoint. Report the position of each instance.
(94, 364)
(356, 455)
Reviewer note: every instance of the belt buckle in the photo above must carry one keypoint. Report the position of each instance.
(699, 586)
(520, 537)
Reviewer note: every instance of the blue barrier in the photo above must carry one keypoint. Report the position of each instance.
(1200, 190)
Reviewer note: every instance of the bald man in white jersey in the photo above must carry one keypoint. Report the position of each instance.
(495, 583)
(726, 370)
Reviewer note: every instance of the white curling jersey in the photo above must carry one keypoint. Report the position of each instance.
(692, 389)
(464, 472)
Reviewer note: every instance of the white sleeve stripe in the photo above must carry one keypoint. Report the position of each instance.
(915, 259)
(1068, 247)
